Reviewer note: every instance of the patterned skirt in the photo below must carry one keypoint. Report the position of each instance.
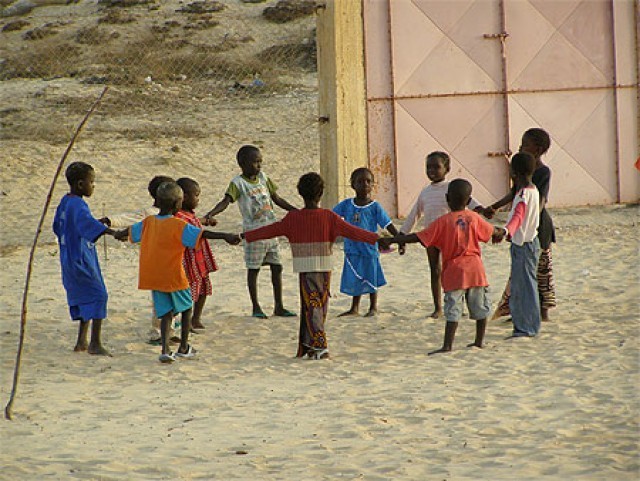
(314, 302)
(546, 287)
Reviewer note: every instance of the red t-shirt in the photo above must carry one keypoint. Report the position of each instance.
(458, 235)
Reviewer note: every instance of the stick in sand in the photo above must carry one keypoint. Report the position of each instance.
(23, 316)
(104, 238)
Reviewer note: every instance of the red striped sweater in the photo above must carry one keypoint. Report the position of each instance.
(311, 234)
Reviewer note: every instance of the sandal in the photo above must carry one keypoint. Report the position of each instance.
(190, 354)
(167, 358)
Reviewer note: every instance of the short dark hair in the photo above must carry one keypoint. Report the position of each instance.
(459, 192)
(523, 163)
(187, 184)
(540, 138)
(446, 161)
(311, 186)
(76, 172)
(167, 193)
(155, 183)
(360, 171)
(247, 152)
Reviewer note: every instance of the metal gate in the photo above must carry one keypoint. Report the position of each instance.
(469, 77)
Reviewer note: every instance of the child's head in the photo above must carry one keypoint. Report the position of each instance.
(169, 197)
(81, 178)
(191, 193)
(311, 187)
(437, 166)
(250, 160)
(522, 165)
(155, 183)
(458, 194)
(536, 142)
(362, 181)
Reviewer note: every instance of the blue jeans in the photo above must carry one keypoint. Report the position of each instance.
(524, 302)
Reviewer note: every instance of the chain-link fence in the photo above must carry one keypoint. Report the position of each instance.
(189, 83)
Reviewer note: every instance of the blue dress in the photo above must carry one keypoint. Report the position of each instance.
(77, 230)
(362, 272)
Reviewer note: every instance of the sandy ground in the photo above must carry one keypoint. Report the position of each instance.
(562, 406)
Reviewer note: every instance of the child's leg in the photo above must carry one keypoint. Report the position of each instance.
(165, 326)
(276, 281)
(373, 305)
(196, 323)
(524, 302)
(355, 307)
(252, 284)
(479, 308)
(452, 311)
(186, 328)
(436, 285)
(82, 344)
(481, 327)
(449, 335)
(95, 347)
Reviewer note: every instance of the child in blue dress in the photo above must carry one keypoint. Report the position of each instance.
(362, 272)
(77, 232)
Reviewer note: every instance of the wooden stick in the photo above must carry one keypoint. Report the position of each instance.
(104, 238)
(23, 317)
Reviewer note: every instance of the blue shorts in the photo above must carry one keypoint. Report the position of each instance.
(175, 302)
(478, 303)
(89, 311)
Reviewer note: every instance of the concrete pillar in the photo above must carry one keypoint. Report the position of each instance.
(341, 96)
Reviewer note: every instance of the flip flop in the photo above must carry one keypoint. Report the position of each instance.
(167, 358)
(190, 354)
(259, 315)
(286, 313)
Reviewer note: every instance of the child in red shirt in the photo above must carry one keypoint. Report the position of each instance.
(458, 235)
(198, 262)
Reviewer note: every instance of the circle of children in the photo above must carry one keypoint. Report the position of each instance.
(176, 259)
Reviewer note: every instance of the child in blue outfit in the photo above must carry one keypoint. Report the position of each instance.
(77, 232)
(362, 272)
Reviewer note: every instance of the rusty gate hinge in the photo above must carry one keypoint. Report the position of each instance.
(501, 36)
(505, 154)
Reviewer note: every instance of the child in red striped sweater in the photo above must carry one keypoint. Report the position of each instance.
(311, 232)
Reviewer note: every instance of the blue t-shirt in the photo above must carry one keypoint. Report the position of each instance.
(368, 217)
(77, 230)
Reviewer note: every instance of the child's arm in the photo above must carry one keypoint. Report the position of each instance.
(280, 202)
(220, 207)
(233, 239)
(399, 239)
(265, 232)
(489, 211)
(414, 215)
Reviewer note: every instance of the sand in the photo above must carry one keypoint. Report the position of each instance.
(561, 406)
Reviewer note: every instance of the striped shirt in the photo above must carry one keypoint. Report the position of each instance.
(311, 234)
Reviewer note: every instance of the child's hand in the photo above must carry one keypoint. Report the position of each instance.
(384, 243)
(498, 235)
(208, 221)
(233, 239)
(106, 221)
(488, 212)
(122, 235)
(402, 248)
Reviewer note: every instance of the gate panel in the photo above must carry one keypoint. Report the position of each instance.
(433, 110)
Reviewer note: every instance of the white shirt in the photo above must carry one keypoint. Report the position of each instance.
(431, 204)
(528, 230)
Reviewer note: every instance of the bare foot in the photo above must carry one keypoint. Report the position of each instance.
(441, 350)
(371, 313)
(81, 347)
(197, 325)
(99, 350)
(350, 312)
(475, 344)
(436, 314)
